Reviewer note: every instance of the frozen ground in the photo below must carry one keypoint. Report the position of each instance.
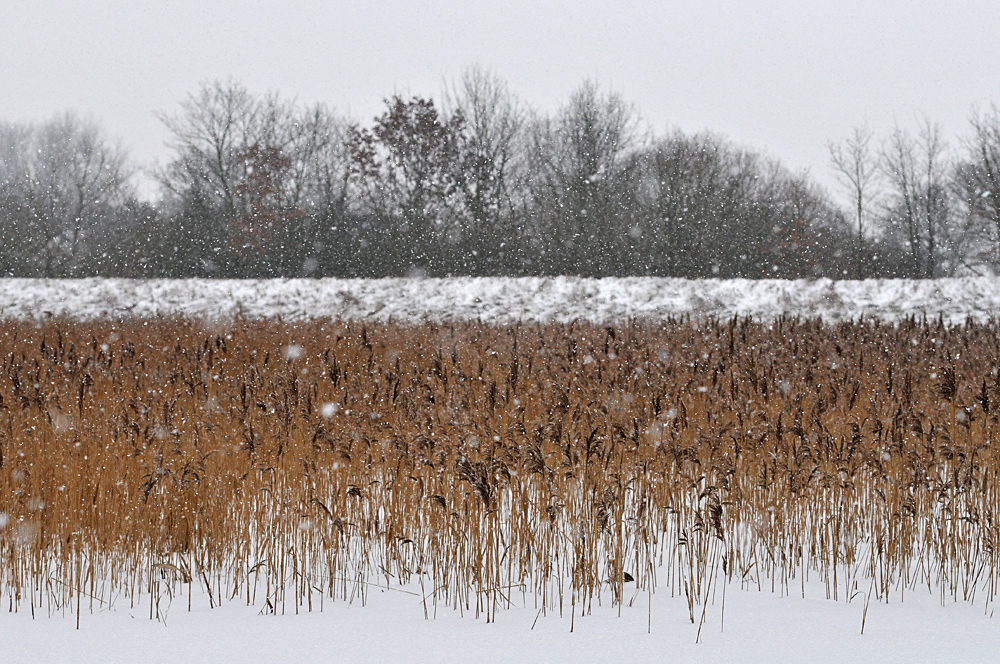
(758, 627)
(501, 300)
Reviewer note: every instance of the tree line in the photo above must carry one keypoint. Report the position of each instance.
(479, 184)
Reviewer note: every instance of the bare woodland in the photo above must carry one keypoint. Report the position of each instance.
(478, 183)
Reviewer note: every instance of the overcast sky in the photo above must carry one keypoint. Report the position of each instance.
(783, 76)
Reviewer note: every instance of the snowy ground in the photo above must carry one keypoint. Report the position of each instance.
(758, 627)
(501, 300)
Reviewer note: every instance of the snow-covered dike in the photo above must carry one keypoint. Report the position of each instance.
(501, 300)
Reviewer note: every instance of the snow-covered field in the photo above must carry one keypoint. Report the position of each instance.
(757, 626)
(754, 626)
(501, 300)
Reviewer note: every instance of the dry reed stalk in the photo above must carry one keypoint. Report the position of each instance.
(279, 464)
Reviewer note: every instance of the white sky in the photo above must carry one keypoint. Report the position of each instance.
(784, 76)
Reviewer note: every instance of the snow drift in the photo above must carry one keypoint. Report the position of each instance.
(502, 300)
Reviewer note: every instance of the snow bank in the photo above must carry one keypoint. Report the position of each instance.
(500, 300)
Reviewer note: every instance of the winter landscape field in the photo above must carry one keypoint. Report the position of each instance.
(499, 470)
(499, 332)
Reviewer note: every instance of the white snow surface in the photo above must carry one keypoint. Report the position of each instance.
(756, 626)
(502, 300)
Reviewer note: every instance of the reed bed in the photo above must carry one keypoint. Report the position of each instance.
(161, 462)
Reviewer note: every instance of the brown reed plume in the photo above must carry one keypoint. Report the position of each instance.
(283, 465)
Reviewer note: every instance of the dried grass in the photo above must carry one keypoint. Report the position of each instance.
(282, 465)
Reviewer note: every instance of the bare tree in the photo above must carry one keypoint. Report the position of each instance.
(320, 175)
(492, 124)
(214, 126)
(978, 180)
(320, 170)
(578, 185)
(64, 175)
(686, 194)
(17, 246)
(855, 163)
(256, 180)
(918, 169)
